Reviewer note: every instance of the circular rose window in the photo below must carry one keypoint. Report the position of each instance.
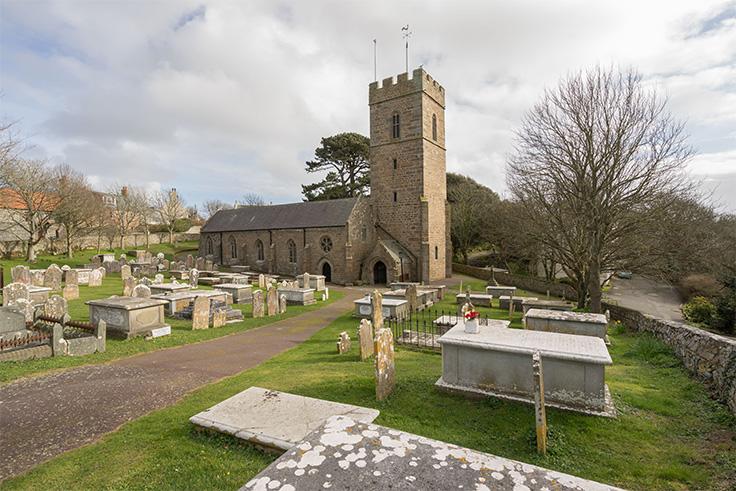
(326, 244)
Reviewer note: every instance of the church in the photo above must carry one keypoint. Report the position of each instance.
(401, 232)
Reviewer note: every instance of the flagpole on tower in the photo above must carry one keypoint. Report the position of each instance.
(375, 62)
(407, 34)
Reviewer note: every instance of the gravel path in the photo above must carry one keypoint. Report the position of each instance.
(44, 416)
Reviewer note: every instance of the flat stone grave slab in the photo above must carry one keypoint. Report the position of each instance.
(497, 291)
(477, 299)
(127, 317)
(210, 281)
(565, 322)
(425, 298)
(402, 285)
(275, 420)
(349, 455)
(182, 299)
(533, 303)
(498, 362)
(393, 308)
(505, 300)
(168, 288)
(453, 320)
(241, 293)
(298, 296)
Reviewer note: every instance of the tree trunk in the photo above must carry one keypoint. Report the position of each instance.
(69, 252)
(594, 286)
(171, 236)
(31, 252)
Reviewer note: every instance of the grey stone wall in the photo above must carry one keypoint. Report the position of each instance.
(709, 357)
(529, 283)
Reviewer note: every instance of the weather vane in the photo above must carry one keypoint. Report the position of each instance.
(407, 34)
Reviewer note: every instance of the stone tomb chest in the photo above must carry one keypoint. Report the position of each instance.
(168, 288)
(580, 323)
(498, 362)
(127, 317)
(533, 303)
(298, 296)
(497, 291)
(316, 281)
(241, 293)
(178, 301)
(424, 297)
(38, 294)
(478, 299)
(392, 308)
(505, 300)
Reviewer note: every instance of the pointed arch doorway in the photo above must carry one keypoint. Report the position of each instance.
(379, 273)
(327, 272)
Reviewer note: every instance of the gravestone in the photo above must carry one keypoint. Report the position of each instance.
(411, 297)
(65, 268)
(141, 291)
(128, 285)
(52, 278)
(160, 256)
(282, 304)
(158, 279)
(56, 307)
(272, 300)
(95, 278)
(365, 338)
(70, 292)
(257, 303)
(219, 318)
(305, 280)
(377, 310)
(539, 411)
(166, 264)
(71, 277)
(13, 292)
(201, 313)
(12, 322)
(37, 277)
(208, 265)
(199, 263)
(343, 343)
(194, 277)
(145, 281)
(103, 271)
(385, 366)
(125, 271)
(261, 281)
(189, 263)
(26, 307)
(21, 274)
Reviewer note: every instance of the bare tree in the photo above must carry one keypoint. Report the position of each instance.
(213, 206)
(595, 161)
(29, 198)
(76, 212)
(125, 211)
(253, 199)
(169, 207)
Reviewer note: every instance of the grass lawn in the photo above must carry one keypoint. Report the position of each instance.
(181, 333)
(669, 434)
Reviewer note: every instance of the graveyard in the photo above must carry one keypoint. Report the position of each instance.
(668, 434)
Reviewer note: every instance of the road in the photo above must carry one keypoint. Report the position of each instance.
(653, 297)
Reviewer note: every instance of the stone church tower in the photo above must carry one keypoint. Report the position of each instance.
(408, 181)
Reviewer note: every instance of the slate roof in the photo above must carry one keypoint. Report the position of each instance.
(310, 214)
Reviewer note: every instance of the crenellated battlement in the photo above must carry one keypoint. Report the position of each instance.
(401, 85)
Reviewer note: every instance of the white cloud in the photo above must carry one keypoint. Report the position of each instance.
(222, 98)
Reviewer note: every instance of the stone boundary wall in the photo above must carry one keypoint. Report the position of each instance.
(529, 283)
(709, 357)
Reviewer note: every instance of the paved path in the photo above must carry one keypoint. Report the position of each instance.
(648, 296)
(44, 416)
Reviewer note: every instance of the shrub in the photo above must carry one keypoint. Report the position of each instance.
(725, 318)
(699, 310)
(702, 285)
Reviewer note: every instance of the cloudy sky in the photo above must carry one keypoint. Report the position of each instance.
(223, 98)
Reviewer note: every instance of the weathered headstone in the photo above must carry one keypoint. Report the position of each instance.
(209, 265)
(128, 285)
(26, 307)
(166, 264)
(160, 256)
(326, 294)
(201, 313)
(21, 274)
(71, 277)
(272, 300)
(365, 338)
(103, 271)
(219, 318)
(125, 271)
(12, 320)
(385, 366)
(199, 263)
(306, 280)
(261, 281)
(539, 411)
(282, 304)
(343, 343)
(56, 306)
(158, 279)
(377, 310)
(189, 263)
(37, 277)
(258, 303)
(95, 278)
(52, 278)
(145, 281)
(411, 297)
(194, 277)
(14, 291)
(65, 268)
(70, 292)
(141, 291)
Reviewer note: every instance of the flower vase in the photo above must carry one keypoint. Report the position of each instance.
(471, 326)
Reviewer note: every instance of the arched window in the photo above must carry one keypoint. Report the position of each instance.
(210, 246)
(233, 247)
(434, 127)
(259, 250)
(395, 126)
(292, 251)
